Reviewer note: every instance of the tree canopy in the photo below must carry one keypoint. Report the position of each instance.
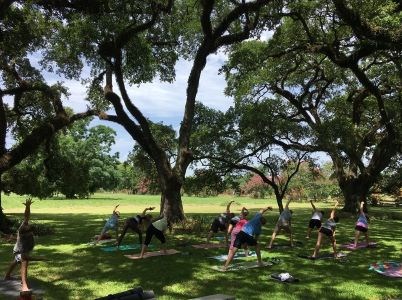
(334, 72)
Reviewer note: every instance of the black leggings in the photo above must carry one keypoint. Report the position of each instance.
(134, 226)
(152, 231)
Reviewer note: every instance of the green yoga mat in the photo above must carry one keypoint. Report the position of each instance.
(124, 247)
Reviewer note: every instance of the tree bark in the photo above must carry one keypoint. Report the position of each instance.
(171, 202)
(4, 222)
(354, 190)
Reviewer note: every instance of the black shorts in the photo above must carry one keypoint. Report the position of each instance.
(216, 226)
(327, 232)
(361, 228)
(244, 238)
(314, 223)
(152, 231)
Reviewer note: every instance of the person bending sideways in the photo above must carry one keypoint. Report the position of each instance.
(248, 236)
(134, 224)
(327, 229)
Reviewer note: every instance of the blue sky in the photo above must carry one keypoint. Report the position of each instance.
(162, 102)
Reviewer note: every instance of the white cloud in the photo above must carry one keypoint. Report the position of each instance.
(158, 101)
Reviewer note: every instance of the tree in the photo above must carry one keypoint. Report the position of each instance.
(391, 179)
(204, 182)
(80, 163)
(133, 42)
(31, 110)
(334, 71)
(241, 139)
(75, 163)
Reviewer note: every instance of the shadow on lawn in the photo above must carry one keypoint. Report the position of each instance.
(76, 269)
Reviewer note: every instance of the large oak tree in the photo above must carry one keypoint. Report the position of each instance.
(134, 42)
(334, 70)
(31, 107)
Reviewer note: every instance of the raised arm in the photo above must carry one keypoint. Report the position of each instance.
(361, 207)
(312, 204)
(114, 210)
(145, 210)
(263, 210)
(334, 210)
(228, 207)
(27, 213)
(287, 204)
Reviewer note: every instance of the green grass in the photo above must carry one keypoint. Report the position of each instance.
(78, 271)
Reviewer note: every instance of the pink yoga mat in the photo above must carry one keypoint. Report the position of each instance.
(360, 245)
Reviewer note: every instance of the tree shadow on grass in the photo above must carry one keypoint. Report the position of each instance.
(78, 271)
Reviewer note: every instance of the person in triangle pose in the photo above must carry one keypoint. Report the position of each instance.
(327, 229)
(221, 223)
(134, 223)
(22, 249)
(284, 223)
(315, 221)
(362, 225)
(248, 236)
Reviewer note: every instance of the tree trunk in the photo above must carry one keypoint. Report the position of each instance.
(354, 190)
(279, 201)
(171, 203)
(4, 222)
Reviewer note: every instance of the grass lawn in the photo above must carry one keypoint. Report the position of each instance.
(78, 271)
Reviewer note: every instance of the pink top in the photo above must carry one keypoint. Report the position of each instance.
(238, 227)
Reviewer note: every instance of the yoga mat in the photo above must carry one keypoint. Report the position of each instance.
(101, 242)
(238, 255)
(323, 256)
(209, 246)
(286, 246)
(360, 245)
(124, 247)
(241, 266)
(154, 253)
(388, 268)
(11, 288)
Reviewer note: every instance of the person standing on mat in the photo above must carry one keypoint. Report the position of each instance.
(221, 223)
(134, 224)
(284, 223)
(22, 248)
(111, 223)
(327, 228)
(315, 221)
(362, 225)
(158, 229)
(248, 236)
(236, 224)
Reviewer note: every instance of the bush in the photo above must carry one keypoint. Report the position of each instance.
(195, 225)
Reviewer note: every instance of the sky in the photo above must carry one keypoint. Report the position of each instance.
(158, 101)
(162, 102)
